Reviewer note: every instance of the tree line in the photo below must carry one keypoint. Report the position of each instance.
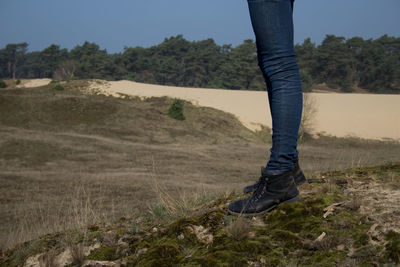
(341, 63)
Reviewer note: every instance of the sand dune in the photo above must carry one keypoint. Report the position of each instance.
(362, 115)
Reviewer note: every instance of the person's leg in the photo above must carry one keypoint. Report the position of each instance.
(273, 26)
(272, 22)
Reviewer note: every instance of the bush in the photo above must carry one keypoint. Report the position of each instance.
(176, 110)
(59, 87)
(2, 84)
(17, 81)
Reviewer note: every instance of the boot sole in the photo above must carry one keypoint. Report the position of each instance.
(241, 214)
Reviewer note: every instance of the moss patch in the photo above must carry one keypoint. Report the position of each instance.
(393, 246)
(103, 254)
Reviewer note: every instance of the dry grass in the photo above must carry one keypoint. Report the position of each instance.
(77, 253)
(354, 203)
(173, 201)
(75, 210)
(239, 229)
(48, 259)
(57, 174)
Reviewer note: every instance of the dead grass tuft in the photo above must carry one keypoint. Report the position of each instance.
(48, 259)
(328, 243)
(174, 202)
(77, 253)
(354, 203)
(239, 229)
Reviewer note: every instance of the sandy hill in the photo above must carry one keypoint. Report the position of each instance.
(362, 115)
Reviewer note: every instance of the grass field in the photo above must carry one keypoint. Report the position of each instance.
(69, 158)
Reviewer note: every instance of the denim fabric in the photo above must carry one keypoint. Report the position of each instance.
(272, 22)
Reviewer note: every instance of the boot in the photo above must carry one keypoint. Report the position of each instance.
(299, 177)
(271, 191)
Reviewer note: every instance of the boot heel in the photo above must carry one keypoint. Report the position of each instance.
(295, 199)
(300, 179)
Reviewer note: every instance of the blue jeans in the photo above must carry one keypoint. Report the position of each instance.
(272, 22)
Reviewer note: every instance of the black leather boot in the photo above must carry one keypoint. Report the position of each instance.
(271, 191)
(299, 177)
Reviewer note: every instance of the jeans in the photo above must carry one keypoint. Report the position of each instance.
(272, 22)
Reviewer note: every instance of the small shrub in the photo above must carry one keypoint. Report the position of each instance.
(2, 84)
(59, 87)
(176, 110)
(17, 81)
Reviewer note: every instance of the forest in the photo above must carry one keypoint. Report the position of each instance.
(342, 64)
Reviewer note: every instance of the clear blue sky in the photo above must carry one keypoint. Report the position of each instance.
(114, 24)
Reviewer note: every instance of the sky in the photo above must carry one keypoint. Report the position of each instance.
(115, 24)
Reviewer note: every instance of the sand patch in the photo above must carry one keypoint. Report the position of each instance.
(27, 83)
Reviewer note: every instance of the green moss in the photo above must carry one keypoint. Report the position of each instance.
(212, 219)
(365, 252)
(93, 235)
(363, 173)
(221, 258)
(304, 217)
(103, 254)
(289, 239)
(164, 252)
(393, 246)
(360, 239)
(325, 258)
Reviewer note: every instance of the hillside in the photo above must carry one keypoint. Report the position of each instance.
(346, 218)
(73, 108)
(73, 162)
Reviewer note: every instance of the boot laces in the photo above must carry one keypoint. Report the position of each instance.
(262, 177)
(261, 189)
